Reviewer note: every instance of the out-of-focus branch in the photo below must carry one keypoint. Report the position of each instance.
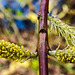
(9, 17)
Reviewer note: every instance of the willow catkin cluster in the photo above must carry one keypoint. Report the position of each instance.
(14, 52)
(66, 55)
(68, 32)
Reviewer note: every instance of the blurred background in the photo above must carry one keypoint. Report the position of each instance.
(19, 24)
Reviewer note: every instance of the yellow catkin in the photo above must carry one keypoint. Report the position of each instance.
(14, 52)
(67, 56)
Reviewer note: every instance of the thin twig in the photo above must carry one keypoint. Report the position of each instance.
(43, 38)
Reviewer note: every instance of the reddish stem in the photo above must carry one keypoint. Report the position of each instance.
(43, 38)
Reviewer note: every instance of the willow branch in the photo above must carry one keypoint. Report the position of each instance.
(43, 40)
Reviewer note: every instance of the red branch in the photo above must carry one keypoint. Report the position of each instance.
(43, 38)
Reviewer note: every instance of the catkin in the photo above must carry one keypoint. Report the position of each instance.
(14, 52)
(65, 55)
(64, 30)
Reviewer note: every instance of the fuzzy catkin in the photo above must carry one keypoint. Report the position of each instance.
(14, 52)
(64, 30)
(65, 55)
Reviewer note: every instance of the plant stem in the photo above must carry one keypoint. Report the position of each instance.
(43, 38)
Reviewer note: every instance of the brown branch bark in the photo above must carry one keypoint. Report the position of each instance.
(43, 38)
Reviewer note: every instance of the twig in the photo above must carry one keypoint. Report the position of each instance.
(43, 40)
